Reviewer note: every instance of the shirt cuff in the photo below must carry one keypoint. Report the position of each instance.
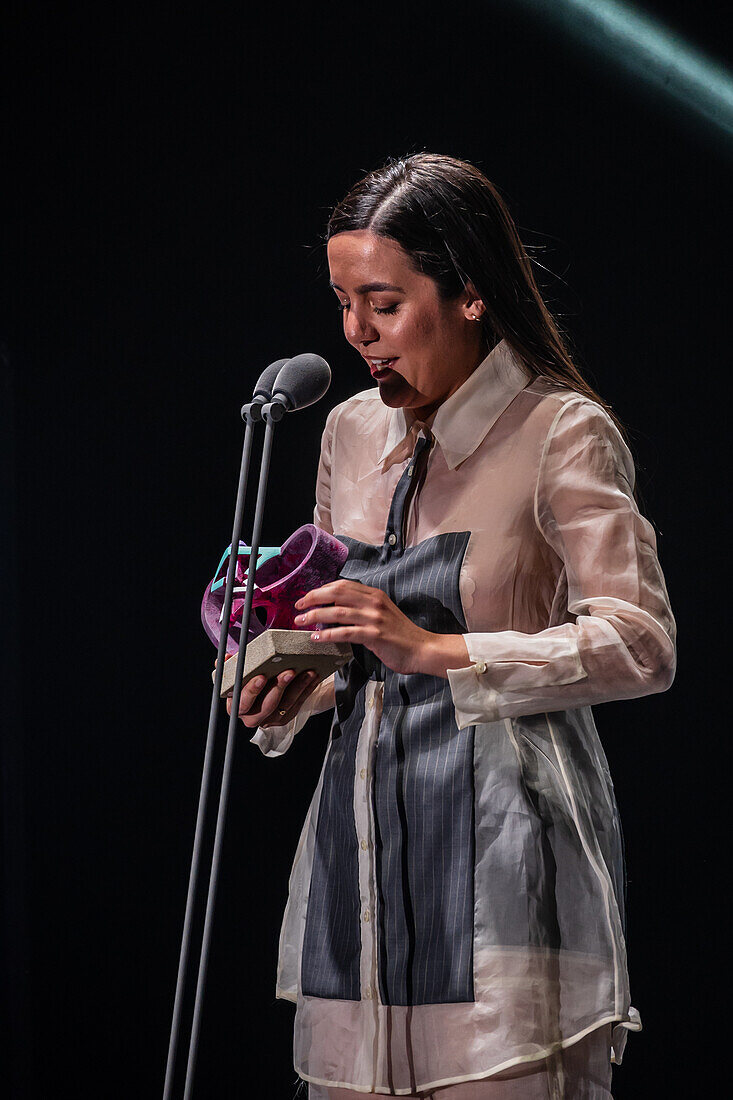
(507, 665)
(277, 739)
(474, 701)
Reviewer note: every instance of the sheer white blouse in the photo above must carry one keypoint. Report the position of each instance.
(566, 606)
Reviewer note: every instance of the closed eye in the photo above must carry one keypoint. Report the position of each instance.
(343, 306)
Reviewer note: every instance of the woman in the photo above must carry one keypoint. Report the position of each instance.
(455, 920)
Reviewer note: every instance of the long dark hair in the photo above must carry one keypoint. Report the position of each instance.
(455, 227)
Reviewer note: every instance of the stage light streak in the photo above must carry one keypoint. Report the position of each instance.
(649, 49)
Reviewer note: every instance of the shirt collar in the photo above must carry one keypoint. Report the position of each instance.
(462, 422)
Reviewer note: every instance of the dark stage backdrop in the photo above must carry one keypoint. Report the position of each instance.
(167, 180)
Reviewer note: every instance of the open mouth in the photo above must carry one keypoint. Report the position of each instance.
(380, 368)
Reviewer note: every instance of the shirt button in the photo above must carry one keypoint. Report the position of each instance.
(410, 471)
(364, 845)
(370, 704)
(392, 539)
(362, 773)
(366, 916)
(481, 666)
(368, 992)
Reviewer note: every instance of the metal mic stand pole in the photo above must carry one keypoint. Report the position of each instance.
(270, 414)
(252, 414)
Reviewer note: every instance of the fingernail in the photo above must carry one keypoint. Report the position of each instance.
(288, 677)
(315, 637)
(299, 618)
(259, 681)
(298, 603)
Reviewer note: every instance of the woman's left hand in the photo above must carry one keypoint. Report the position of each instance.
(354, 612)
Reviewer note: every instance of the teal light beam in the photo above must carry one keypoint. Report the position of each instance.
(650, 50)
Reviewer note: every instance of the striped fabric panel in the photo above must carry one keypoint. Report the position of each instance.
(423, 806)
(332, 941)
(424, 799)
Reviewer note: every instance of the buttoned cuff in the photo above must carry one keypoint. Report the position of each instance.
(512, 668)
(474, 701)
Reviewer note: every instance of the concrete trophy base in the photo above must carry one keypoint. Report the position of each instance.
(276, 650)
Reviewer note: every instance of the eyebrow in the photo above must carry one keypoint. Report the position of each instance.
(367, 288)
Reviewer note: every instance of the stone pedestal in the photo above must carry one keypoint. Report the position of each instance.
(277, 650)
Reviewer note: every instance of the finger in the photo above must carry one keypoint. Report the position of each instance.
(268, 699)
(271, 698)
(298, 690)
(290, 704)
(341, 591)
(249, 697)
(335, 613)
(357, 635)
(250, 693)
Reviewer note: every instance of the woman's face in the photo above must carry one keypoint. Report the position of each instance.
(419, 348)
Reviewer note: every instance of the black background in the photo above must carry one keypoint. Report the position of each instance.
(168, 174)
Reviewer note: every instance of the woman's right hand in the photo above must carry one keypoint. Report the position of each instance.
(274, 702)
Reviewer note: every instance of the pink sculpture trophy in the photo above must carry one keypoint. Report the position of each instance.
(310, 558)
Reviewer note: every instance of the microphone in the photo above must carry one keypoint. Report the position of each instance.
(263, 389)
(266, 381)
(301, 382)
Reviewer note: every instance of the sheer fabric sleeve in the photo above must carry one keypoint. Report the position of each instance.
(276, 740)
(621, 643)
(322, 510)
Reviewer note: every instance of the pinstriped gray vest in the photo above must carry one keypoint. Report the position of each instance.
(422, 794)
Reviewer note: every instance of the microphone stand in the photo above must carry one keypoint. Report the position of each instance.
(251, 413)
(270, 413)
(294, 384)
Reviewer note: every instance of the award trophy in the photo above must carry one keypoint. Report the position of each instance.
(310, 558)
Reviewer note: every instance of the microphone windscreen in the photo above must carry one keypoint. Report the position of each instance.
(303, 381)
(266, 381)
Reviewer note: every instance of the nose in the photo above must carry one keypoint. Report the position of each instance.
(359, 329)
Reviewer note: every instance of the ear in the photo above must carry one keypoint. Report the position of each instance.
(473, 307)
